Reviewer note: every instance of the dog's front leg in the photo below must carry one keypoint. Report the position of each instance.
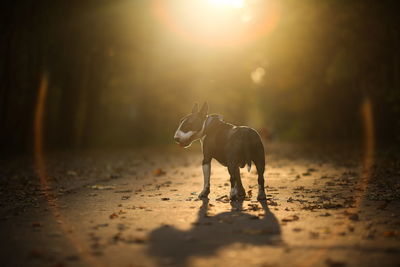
(206, 173)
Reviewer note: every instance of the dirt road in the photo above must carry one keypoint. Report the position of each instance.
(140, 208)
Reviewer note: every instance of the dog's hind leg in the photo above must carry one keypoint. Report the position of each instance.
(240, 188)
(237, 190)
(260, 165)
(254, 151)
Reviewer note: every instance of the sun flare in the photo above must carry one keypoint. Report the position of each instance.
(227, 3)
(218, 22)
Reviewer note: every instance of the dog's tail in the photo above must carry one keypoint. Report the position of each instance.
(247, 150)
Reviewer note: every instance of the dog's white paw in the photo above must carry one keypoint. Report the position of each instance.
(233, 195)
(237, 194)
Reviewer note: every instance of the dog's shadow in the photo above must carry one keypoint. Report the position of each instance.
(169, 245)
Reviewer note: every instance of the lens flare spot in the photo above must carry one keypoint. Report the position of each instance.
(257, 75)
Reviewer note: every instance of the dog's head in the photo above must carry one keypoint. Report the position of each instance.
(191, 126)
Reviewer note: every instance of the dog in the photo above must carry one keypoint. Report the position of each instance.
(232, 146)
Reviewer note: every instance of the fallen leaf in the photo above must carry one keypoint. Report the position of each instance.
(138, 240)
(36, 224)
(389, 233)
(224, 199)
(290, 218)
(354, 217)
(314, 235)
(123, 191)
(326, 214)
(332, 263)
(113, 216)
(253, 207)
(270, 202)
(115, 176)
(159, 172)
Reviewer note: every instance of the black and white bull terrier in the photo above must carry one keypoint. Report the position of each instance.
(232, 146)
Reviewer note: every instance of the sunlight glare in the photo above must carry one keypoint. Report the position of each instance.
(228, 3)
(218, 22)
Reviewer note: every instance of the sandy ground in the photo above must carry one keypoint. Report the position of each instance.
(140, 208)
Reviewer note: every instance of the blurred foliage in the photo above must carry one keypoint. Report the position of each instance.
(118, 76)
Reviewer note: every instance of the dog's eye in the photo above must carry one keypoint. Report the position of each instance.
(186, 126)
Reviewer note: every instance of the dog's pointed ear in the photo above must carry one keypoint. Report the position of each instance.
(204, 109)
(195, 108)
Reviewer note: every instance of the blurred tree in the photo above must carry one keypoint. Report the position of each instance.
(120, 77)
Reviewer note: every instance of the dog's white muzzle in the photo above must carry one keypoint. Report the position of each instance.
(182, 138)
